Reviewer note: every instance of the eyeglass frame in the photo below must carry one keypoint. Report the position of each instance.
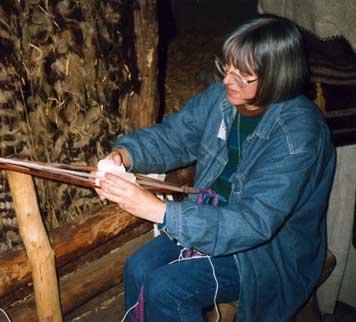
(238, 80)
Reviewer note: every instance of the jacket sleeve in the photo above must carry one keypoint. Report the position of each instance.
(265, 201)
(174, 142)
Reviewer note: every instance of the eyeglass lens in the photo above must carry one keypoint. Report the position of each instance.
(224, 70)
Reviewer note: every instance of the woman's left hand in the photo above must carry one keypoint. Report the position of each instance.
(132, 198)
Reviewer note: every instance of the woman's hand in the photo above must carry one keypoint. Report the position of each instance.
(120, 157)
(132, 198)
(117, 157)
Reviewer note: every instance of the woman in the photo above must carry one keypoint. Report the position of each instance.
(266, 150)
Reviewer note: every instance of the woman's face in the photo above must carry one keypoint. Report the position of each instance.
(239, 87)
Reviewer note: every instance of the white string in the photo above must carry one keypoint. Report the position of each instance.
(181, 258)
(127, 312)
(216, 290)
(6, 315)
(187, 259)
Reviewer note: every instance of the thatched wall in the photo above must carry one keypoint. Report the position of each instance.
(66, 70)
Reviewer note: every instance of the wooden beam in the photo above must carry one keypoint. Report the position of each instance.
(7, 300)
(78, 242)
(70, 241)
(83, 285)
(38, 248)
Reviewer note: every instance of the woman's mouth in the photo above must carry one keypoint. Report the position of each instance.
(232, 92)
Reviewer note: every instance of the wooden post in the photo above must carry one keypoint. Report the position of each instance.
(37, 246)
(143, 108)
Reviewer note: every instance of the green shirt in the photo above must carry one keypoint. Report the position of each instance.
(241, 128)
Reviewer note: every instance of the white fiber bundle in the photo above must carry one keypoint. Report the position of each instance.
(109, 166)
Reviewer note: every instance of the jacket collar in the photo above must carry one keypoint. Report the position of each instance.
(269, 118)
(268, 121)
(273, 113)
(265, 126)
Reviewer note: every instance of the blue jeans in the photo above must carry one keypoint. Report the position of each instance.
(181, 290)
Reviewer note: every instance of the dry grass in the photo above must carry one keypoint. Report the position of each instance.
(190, 64)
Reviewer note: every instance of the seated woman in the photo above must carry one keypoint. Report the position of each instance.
(265, 150)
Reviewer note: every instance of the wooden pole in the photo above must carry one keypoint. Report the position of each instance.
(143, 107)
(37, 246)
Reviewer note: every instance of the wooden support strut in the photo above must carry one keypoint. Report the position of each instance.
(37, 246)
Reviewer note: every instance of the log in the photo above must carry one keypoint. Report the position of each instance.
(74, 243)
(143, 107)
(83, 285)
(38, 248)
(7, 300)
(105, 248)
(70, 241)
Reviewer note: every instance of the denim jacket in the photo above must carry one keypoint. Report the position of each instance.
(275, 223)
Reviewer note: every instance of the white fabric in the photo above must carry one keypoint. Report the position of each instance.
(108, 165)
(341, 285)
(324, 18)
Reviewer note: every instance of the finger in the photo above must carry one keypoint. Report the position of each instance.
(108, 157)
(114, 188)
(111, 184)
(100, 194)
(116, 157)
(119, 181)
(113, 197)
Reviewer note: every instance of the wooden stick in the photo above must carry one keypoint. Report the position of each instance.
(37, 246)
(52, 176)
(79, 175)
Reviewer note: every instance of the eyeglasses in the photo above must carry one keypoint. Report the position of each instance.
(223, 69)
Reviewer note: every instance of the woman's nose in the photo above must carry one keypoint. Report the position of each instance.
(227, 79)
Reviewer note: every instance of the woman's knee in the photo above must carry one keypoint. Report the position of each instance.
(165, 298)
(158, 295)
(159, 289)
(149, 258)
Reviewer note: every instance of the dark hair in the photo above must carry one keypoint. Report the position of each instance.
(273, 48)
